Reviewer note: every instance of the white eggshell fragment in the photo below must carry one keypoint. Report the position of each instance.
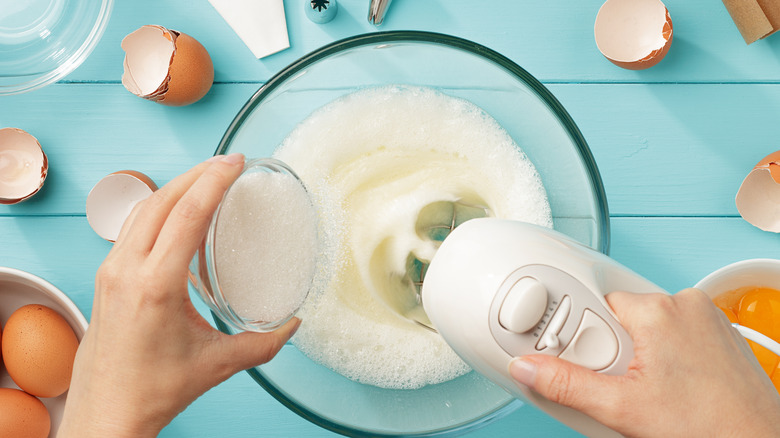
(148, 54)
(758, 197)
(23, 165)
(166, 66)
(111, 200)
(633, 34)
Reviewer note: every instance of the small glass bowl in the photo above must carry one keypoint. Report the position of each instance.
(42, 41)
(204, 272)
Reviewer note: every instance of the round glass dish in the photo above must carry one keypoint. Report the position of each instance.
(41, 41)
(205, 271)
(459, 68)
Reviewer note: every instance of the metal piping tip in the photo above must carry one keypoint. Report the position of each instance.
(377, 10)
(321, 11)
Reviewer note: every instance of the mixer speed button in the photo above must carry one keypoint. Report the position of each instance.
(524, 305)
(595, 345)
(550, 336)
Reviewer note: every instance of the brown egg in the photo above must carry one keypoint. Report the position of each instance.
(22, 415)
(192, 73)
(38, 348)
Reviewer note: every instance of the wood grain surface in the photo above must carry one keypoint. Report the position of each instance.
(672, 143)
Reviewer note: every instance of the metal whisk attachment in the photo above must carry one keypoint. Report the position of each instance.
(435, 223)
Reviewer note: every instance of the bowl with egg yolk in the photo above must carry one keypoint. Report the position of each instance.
(748, 293)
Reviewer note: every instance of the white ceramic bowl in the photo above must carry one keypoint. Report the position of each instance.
(19, 288)
(753, 272)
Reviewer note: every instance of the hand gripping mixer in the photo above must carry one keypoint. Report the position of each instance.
(497, 289)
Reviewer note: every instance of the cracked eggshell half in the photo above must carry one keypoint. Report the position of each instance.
(166, 66)
(111, 200)
(23, 165)
(633, 34)
(758, 197)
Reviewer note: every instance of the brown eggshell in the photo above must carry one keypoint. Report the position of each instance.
(771, 162)
(111, 200)
(39, 347)
(633, 34)
(166, 66)
(22, 415)
(191, 73)
(23, 165)
(758, 197)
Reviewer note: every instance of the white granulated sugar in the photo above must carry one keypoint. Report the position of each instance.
(373, 160)
(266, 246)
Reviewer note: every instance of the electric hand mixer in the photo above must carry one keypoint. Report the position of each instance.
(498, 289)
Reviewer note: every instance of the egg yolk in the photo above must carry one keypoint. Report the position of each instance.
(757, 308)
(768, 360)
(729, 314)
(730, 300)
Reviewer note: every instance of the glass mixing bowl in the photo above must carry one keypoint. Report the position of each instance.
(41, 41)
(459, 68)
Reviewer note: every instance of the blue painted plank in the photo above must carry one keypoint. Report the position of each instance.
(676, 253)
(675, 149)
(662, 149)
(553, 40)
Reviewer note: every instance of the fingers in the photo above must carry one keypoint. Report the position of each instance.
(568, 384)
(628, 303)
(145, 221)
(128, 222)
(251, 349)
(637, 311)
(185, 226)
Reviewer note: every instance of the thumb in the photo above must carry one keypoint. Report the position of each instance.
(566, 383)
(250, 349)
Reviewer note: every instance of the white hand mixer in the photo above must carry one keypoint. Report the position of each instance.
(498, 289)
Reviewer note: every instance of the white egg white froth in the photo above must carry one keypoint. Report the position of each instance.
(373, 160)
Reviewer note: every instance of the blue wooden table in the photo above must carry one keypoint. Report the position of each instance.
(672, 143)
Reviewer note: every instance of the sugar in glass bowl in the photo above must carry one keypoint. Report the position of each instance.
(41, 41)
(256, 299)
(459, 68)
